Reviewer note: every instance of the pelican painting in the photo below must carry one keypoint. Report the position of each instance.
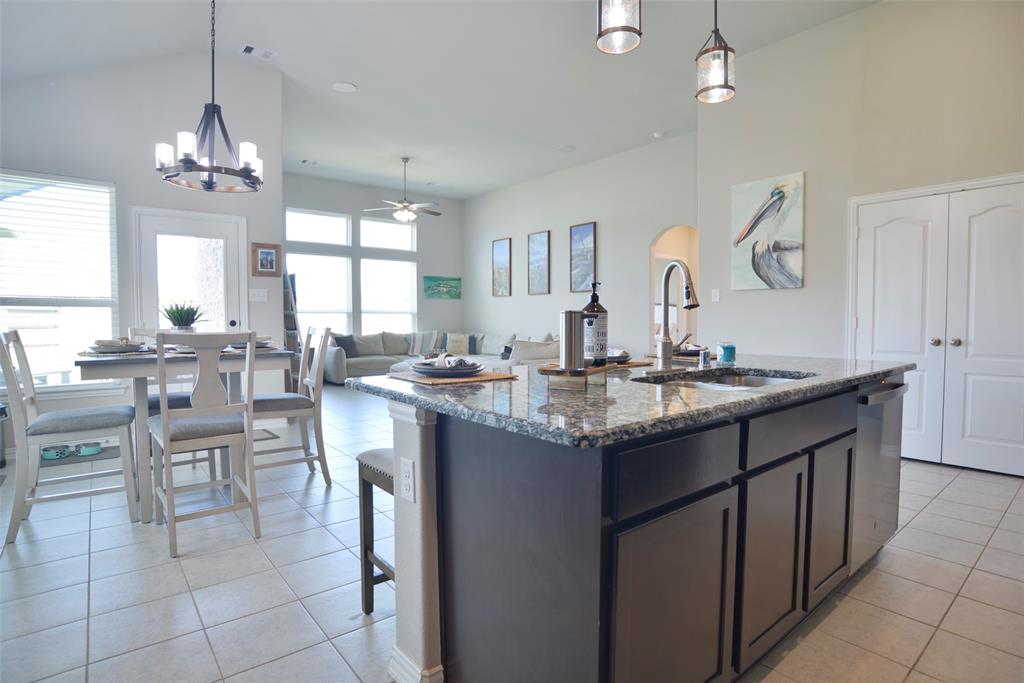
(768, 224)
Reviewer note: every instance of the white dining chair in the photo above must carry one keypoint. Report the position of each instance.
(210, 421)
(34, 430)
(175, 399)
(304, 405)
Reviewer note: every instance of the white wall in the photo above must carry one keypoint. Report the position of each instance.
(633, 196)
(894, 96)
(438, 238)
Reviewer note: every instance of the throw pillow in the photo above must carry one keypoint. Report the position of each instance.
(369, 344)
(348, 344)
(506, 353)
(457, 343)
(394, 344)
(476, 342)
(421, 342)
(494, 344)
(529, 350)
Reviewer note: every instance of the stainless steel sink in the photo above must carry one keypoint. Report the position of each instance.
(748, 380)
(716, 380)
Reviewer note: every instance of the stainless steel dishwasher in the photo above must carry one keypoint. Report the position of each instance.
(876, 480)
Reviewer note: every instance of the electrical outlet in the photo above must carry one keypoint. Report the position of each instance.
(407, 483)
(258, 296)
(715, 295)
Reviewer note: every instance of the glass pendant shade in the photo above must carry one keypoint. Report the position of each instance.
(246, 154)
(618, 26)
(186, 144)
(164, 155)
(716, 73)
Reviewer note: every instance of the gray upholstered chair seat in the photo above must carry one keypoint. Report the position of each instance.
(185, 428)
(175, 400)
(380, 459)
(81, 419)
(280, 401)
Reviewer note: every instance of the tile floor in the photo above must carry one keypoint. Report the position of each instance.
(85, 595)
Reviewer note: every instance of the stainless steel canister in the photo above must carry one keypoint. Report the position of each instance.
(570, 331)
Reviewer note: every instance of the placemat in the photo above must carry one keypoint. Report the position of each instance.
(482, 377)
(122, 354)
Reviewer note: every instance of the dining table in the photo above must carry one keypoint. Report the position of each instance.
(140, 367)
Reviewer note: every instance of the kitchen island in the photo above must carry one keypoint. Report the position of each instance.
(663, 526)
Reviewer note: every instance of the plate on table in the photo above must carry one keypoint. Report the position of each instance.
(621, 358)
(120, 348)
(430, 370)
(259, 345)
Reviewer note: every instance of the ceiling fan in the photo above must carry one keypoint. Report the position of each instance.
(405, 211)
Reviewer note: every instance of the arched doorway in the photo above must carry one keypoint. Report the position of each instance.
(677, 242)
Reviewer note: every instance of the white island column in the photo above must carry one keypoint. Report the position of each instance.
(417, 654)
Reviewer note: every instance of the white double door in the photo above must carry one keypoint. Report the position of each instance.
(940, 281)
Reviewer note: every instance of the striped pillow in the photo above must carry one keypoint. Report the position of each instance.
(421, 342)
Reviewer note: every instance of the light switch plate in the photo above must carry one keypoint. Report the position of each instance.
(715, 295)
(258, 296)
(407, 483)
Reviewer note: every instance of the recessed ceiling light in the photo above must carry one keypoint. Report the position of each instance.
(344, 86)
(658, 134)
(567, 149)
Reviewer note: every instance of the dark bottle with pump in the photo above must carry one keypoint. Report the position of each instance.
(595, 330)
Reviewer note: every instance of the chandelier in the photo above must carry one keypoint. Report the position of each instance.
(195, 167)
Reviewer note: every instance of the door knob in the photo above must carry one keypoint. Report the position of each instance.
(935, 341)
(233, 323)
(955, 341)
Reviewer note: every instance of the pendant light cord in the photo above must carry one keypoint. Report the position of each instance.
(213, 45)
(716, 16)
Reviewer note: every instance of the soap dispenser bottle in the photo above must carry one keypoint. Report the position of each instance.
(595, 330)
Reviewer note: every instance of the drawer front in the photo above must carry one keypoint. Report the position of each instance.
(778, 434)
(662, 472)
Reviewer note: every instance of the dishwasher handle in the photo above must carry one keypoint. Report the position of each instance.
(878, 397)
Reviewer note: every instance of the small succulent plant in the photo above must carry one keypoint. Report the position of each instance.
(183, 315)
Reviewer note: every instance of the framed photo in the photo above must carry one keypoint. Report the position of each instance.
(501, 267)
(266, 260)
(442, 287)
(539, 262)
(582, 256)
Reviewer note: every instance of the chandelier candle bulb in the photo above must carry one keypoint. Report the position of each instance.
(247, 154)
(186, 145)
(164, 155)
(257, 166)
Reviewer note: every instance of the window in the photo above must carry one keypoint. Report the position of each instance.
(58, 269)
(388, 295)
(323, 296)
(320, 228)
(387, 234)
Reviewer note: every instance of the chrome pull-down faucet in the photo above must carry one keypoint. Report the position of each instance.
(664, 341)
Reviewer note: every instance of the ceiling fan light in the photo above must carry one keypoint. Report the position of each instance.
(618, 26)
(404, 215)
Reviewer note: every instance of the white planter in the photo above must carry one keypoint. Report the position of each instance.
(183, 329)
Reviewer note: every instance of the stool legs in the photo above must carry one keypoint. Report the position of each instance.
(366, 543)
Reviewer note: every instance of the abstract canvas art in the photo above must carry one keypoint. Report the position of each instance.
(539, 262)
(501, 267)
(442, 287)
(582, 256)
(768, 233)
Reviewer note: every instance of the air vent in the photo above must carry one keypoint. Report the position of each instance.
(261, 53)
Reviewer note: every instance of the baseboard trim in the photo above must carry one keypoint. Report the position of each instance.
(405, 671)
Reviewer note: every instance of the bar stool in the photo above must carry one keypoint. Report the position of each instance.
(376, 468)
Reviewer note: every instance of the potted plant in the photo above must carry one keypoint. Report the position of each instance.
(183, 317)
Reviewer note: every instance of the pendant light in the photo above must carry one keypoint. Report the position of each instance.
(196, 167)
(716, 68)
(618, 26)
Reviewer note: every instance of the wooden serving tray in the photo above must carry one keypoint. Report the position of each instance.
(436, 381)
(553, 370)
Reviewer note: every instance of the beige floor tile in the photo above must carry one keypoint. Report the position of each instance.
(321, 573)
(43, 611)
(126, 534)
(132, 588)
(184, 659)
(921, 488)
(198, 542)
(271, 505)
(348, 532)
(62, 508)
(1006, 479)
(1016, 507)
(241, 597)
(141, 625)
(259, 638)
(905, 515)
(900, 595)
(283, 523)
(73, 676)
(38, 529)
(318, 664)
(32, 657)
(953, 659)
(913, 501)
(300, 546)
(936, 545)
(877, 630)
(930, 476)
(918, 677)
(340, 610)
(368, 650)
(225, 565)
(760, 673)
(1002, 562)
(995, 627)
(948, 576)
(1001, 488)
(1012, 522)
(321, 496)
(968, 513)
(338, 511)
(954, 528)
(113, 516)
(814, 656)
(35, 579)
(16, 555)
(1004, 539)
(995, 590)
(130, 558)
(982, 500)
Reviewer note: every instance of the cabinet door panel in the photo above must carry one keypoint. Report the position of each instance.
(773, 557)
(674, 588)
(828, 519)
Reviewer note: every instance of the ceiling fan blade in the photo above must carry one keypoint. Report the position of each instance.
(388, 201)
(423, 205)
(382, 208)
(429, 212)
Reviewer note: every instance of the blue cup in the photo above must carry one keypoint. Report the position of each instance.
(726, 353)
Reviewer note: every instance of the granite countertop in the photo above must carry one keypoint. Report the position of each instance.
(624, 409)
